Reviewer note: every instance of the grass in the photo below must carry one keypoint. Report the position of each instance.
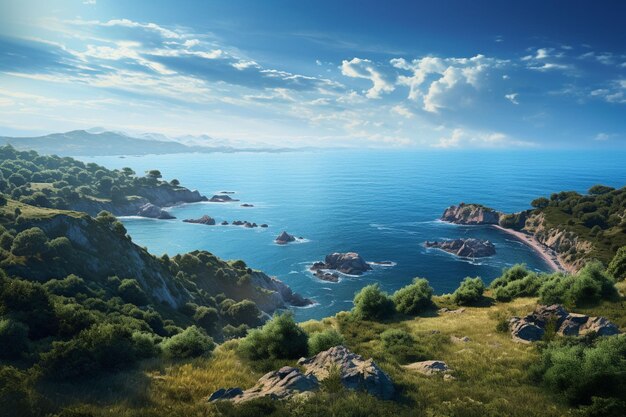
(490, 373)
(33, 212)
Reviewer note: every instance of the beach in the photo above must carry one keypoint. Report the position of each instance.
(546, 253)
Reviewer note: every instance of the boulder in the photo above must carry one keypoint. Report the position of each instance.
(429, 367)
(356, 373)
(327, 275)
(220, 198)
(154, 212)
(224, 223)
(470, 214)
(281, 384)
(467, 248)
(348, 263)
(532, 327)
(264, 225)
(284, 238)
(202, 220)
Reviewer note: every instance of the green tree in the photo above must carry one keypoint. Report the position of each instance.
(469, 292)
(30, 242)
(414, 298)
(617, 267)
(279, 338)
(190, 343)
(371, 303)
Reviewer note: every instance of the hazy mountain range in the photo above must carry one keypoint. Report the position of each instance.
(98, 142)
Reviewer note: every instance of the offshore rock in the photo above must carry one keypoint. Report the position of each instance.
(467, 248)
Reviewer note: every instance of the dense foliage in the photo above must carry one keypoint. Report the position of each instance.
(324, 340)
(414, 298)
(617, 267)
(279, 338)
(371, 303)
(470, 291)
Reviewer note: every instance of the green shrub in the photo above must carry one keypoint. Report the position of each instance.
(371, 303)
(232, 332)
(16, 398)
(146, 345)
(243, 312)
(206, 317)
(324, 340)
(414, 298)
(580, 372)
(13, 338)
(131, 292)
(589, 286)
(30, 242)
(400, 345)
(617, 267)
(29, 303)
(69, 286)
(516, 281)
(190, 343)
(279, 338)
(469, 292)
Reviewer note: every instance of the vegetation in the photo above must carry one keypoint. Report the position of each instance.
(324, 340)
(371, 303)
(469, 292)
(414, 298)
(617, 267)
(279, 338)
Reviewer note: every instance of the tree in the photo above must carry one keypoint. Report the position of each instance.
(206, 317)
(371, 303)
(131, 292)
(128, 171)
(279, 338)
(30, 242)
(188, 344)
(540, 203)
(470, 291)
(600, 189)
(154, 173)
(244, 312)
(617, 267)
(414, 298)
(175, 182)
(3, 200)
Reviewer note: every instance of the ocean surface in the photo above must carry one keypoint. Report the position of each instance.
(381, 204)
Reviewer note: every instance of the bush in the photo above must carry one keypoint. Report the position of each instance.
(30, 242)
(244, 312)
(516, 281)
(400, 345)
(13, 338)
(469, 292)
(591, 285)
(324, 340)
(131, 292)
(232, 332)
(617, 267)
(190, 343)
(580, 372)
(206, 317)
(371, 303)
(279, 338)
(29, 303)
(414, 298)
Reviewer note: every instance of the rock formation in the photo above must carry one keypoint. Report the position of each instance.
(429, 367)
(285, 238)
(470, 214)
(219, 198)
(348, 263)
(532, 327)
(154, 212)
(202, 220)
(467, 248)
(247, 205)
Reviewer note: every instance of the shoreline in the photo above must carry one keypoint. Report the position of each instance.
(548, 255)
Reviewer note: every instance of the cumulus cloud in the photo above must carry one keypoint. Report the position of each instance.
(366, 69)
(615, 92)
(402, 111)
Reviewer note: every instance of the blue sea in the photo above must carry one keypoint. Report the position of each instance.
(381, 204)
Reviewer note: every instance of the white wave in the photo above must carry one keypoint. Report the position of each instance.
(294, 272)
(391, 264)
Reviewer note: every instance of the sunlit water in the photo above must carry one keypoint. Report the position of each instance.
(382, 204)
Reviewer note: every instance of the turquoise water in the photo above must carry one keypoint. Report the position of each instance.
(382, 204)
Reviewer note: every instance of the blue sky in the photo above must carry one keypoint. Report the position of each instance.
(445, 74)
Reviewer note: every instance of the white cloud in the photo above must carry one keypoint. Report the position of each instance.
(460, 138)
(512, 98)
(366, 69)
(402, 111)
(615, 92)
(89, 2)
(603, 136)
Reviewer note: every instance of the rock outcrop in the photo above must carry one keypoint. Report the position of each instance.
(532, 327)
(467, 248)
(281, 384)
(356, 373)
(154, 212)
(285, 238)
(208, 220)
(347, 263)
(473, 214)
(429, 367)
(219, 198)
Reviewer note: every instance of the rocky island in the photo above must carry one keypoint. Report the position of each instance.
(219, 198)
(154, 212)
(285, 238)
(471, 214)
(208, 220)
(350, 263)
(466, 248)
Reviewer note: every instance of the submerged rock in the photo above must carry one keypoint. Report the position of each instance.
(284, 238)
(532, 327)
(348, 263)
(356, 372)
(154, 212)
(470, 214)
(208, 220)
(467, 248)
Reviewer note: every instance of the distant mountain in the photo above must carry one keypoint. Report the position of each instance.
(84, 143)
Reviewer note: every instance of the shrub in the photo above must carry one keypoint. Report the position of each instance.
(69, 286)
(516, 281)
(206, 317)
(244, 312)
(401, 345)
(131, 292)
(324, 340)
(232, 332)
(30, 242)
(145, 345)
(279, 338)
(581, 372)
(617, 267)
(371, 303)
(414, 298)
(469, 292)
(16, 398)
(190, 343)
(588, 287)
(29, 303)
(13, 338)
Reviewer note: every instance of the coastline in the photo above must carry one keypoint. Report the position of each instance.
(546, 253)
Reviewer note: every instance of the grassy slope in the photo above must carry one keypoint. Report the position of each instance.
(490, 370)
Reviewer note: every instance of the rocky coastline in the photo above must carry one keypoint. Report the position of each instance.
(465, 248)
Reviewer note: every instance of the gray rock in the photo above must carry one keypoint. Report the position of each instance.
(154, 212)
(348, 263)
(356, 372)
(285, 238)
(600, 325)
(208, 220)
(221, 199)
(429, 367)
(470, 214)
(264, 225)
(225, 394)
(247, 205)
(467, 248)
(224, 223)
(525, 331)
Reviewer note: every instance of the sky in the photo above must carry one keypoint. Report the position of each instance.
(385, 74)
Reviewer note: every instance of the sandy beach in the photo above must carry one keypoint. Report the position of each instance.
(546, 253)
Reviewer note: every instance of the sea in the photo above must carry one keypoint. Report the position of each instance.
(382, 204)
